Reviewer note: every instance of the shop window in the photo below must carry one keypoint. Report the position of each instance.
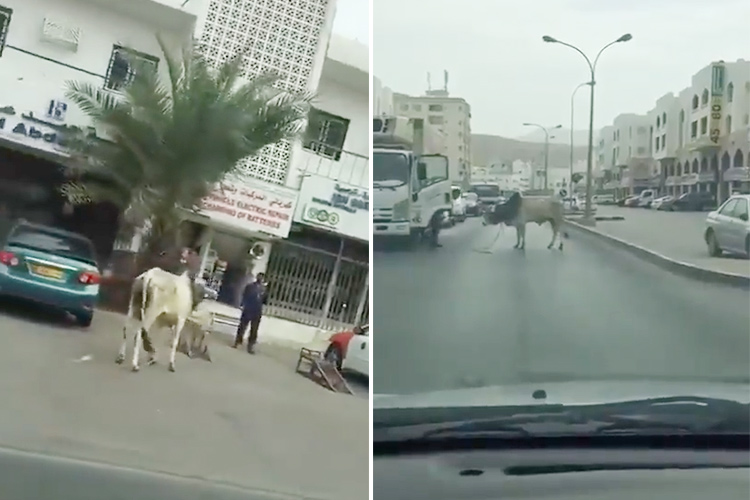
(325, 134)
(125, 64)
(5, 14)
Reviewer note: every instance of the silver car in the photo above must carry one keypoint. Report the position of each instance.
(728, 228)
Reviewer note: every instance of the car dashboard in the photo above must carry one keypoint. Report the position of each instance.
(573, 474)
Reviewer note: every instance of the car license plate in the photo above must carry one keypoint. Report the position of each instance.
(47, 272)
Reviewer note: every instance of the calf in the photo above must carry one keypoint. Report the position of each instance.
(158, 299)
(518, 211)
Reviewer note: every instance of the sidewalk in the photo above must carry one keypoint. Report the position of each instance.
(675, 235)
(274, 331)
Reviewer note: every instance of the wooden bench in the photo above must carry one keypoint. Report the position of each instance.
(322, 371)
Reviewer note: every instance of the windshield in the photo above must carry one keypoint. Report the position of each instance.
(537, 296)
(391, 169)
(486, 190)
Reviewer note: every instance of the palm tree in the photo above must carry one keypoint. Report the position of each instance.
(170, 141)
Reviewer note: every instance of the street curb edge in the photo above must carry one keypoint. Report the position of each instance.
(675, 266)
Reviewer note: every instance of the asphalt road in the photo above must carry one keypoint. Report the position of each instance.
(244, 420)
(453, 317)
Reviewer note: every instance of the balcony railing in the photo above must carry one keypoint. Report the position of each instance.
(334, 163)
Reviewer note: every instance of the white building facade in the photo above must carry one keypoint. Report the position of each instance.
(452, 115)
(382, 98)
(697, 140)
(48, 42)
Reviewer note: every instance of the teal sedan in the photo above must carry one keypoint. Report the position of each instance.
(51, 267)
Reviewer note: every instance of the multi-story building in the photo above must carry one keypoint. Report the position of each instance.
(453, 116)
(45, 43)
(382, 98)
(699, 138)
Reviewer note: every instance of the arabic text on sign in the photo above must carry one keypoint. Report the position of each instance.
(31, 132)
(246, 209)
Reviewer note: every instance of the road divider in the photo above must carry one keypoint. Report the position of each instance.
(682, 268)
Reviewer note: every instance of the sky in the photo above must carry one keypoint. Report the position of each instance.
(496, 59)
(353, 20)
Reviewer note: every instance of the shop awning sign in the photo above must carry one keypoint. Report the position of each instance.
(251, 205)
(334, 206)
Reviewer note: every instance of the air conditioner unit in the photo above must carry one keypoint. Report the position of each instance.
(61, 34)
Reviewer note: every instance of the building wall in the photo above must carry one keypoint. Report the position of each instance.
(29, 82)
(453, 116)
(289, 38)
(382, 98)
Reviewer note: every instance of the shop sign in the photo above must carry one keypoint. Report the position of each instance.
(739, 174)
(689, 179)
(252, 206)
(717, 102)
(706, 177)
(28, 133)
(334, 206)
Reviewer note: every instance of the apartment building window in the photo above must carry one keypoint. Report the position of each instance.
(438, 108)
(704, 125)
(325, 134)
(694, 130)
(663, 119)
(656, 146)
(704, 97)
(729, 124)
(663, 141)
(730, 92)
(5, 15)
(695, 101)
(435, 119)
(125, 64)
(658, 121)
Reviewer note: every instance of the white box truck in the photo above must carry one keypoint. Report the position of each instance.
(411, 185)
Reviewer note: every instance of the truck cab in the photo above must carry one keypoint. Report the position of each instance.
(411, 187)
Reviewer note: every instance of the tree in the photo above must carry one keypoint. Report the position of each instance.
(171, 140)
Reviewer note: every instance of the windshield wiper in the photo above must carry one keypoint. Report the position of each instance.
(662, 416)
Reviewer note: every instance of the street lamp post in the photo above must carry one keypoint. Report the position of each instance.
(546, 147)
(587, 216)
(572, 131)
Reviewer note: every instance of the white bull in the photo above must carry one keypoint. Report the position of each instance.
(158, 299)
(518, 211)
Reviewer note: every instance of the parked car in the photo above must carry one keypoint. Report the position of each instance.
(52, 267)
(659, 203)
(350, 350)
(646, 198)
(631, 202)
(696, 201)
(471, 202)
(728, 228)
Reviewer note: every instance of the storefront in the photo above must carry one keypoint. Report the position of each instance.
(319, 275)
(32, 170)
(233, 233)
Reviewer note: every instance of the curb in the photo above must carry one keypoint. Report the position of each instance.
(681, 268)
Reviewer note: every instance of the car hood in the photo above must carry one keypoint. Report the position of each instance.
(564, 393)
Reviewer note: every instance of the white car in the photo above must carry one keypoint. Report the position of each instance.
(660, 201)
(357, 357)
(728, 228)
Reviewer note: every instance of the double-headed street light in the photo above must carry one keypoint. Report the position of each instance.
(546, 147)
(587, 217)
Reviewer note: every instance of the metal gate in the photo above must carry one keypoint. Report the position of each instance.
(316, 287)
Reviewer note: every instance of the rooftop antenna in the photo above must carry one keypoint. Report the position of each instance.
(429, 82)
(445, 80)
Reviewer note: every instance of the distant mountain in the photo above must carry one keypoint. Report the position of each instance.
(558, 136)
(489, 149)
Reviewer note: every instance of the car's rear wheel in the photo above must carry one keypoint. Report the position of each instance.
(334, 356)
(84, 319)
(713, 246)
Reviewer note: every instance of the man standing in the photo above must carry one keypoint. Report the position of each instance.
(253, 298)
